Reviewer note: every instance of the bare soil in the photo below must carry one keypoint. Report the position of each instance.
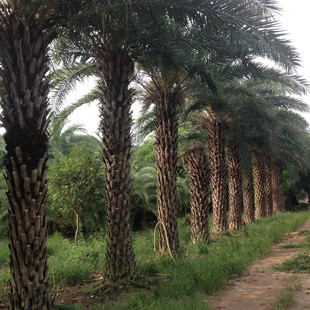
(261, 285)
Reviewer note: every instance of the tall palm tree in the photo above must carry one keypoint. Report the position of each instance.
(234, 186)
(126, 24)
(199, 178)
(248, 198)
(277, 187)
(268, 186)
(259, 184)
(26, 31)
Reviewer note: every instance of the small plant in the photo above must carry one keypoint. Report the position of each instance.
(286, 300)
(304, 233)
(290, 246)
(300, 263)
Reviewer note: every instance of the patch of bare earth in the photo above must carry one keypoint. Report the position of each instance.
(261, 285)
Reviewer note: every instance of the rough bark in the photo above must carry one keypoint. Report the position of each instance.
(258, 181)
(25, 85)
(248, 199)
(199, 180)
(215, 137)
(268, 187)
(166, 127)
(277, 188)
(234, 186)
(116, 69)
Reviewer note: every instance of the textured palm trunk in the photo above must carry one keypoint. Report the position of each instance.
(166, 127)
(25, 86)
(234, 186)
(215, 137)
(277, 188)
(268, 187)
(259, 182)
(199, 180)
(116, 69)
(248, 199)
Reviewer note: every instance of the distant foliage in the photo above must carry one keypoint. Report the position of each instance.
(76, 187)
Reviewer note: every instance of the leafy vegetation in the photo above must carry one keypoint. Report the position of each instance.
(189, 74)
(76, 199)
(199, 270)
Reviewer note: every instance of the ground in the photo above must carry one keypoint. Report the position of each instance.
(261, 286)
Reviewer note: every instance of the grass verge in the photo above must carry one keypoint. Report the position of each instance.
(198, 269)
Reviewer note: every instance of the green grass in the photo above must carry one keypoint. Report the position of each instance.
(300, 245)
(299, 263)
(4, 253)
(304, 233)
(71, 263)
(164, 284)
(287, 298)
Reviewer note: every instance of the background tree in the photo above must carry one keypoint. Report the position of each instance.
(75, 192)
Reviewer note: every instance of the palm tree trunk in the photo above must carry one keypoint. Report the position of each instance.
(166, 127)
(116, 69)
(199, 180)
(25, 116)
(259, 182)
(277, 188)
(268, 187)
(215, 137)
(234, 186)
(248, 199)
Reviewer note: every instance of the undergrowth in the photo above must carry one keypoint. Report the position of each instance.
(161, 283)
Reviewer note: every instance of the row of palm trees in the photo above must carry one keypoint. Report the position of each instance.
(174, 42)
(260, 122)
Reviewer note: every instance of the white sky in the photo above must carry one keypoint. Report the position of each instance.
(295, 19)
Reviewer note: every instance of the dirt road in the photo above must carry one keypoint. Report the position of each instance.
(261, 286)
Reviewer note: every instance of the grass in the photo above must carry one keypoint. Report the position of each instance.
(299, 263)
(4, 253)
(163, 284)
(287, 298)
(304, 233)
(70, 263)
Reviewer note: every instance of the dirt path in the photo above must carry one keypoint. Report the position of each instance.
(261, 286)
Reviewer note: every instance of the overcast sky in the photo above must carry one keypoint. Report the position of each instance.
(295, 18)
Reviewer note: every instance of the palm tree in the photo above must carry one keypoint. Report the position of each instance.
(259, 183)
(277, 187)
(199, 178)
(125, 22)
(26, 31)
(234, 186)
(63, 137)
(268, 186)
(248, 198)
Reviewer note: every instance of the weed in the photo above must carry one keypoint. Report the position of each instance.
(290, 246)
(299, 263)
(286, 300)
(304, 233)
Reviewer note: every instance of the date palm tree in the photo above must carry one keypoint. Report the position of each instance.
(26, 31)
(199, 178)
(132, 25)
(234, 186)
